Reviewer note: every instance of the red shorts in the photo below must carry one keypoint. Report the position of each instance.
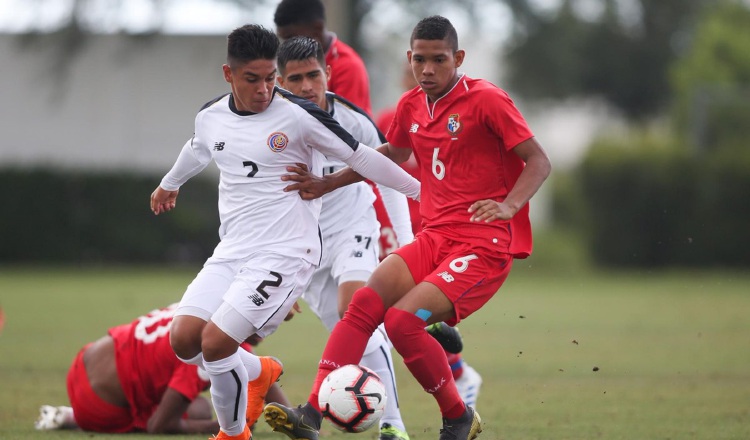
(467, 272)
(91, 412)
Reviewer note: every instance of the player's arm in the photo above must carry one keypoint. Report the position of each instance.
(311, 186)
(530, 180)
(191, 161)
(167, 419)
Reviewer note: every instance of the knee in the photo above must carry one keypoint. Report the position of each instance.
(185, 337)
(400, 324)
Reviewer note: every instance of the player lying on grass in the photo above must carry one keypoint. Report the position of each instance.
(130, 381)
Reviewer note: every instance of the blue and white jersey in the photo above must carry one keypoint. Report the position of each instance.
(252, 151)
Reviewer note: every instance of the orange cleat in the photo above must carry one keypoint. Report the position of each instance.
(245, 435)
(270, 371)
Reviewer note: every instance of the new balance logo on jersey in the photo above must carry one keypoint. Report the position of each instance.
(446, 276)
(414, 128)
(357, 254)
(218, 146)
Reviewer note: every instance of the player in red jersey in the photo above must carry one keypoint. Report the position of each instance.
(480, 165)
(348, 73)
(131, 381)
(468, 380)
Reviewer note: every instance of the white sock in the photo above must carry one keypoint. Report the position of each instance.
(251, 363)
(378, 358)
(197, 360)
(229, 392)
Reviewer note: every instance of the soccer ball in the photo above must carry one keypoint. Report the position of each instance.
(352, 397)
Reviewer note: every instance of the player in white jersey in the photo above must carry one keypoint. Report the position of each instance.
(270, 241)
(347, 219)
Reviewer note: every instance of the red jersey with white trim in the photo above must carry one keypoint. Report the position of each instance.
(462, 143)
(147, 366)
(348, 74)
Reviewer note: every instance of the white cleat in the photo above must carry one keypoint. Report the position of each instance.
(53, 417)
(468, 385)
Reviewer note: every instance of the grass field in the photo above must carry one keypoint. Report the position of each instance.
(672, 351)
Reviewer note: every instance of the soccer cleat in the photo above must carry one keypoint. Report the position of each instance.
(466, 427)
(448, 337)
(390, 432)
(53, 417)
(468, 385)
(300, 423)
(270, 371)
(244, 435)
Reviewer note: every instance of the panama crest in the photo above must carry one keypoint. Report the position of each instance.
(454, 125)
(277, 142)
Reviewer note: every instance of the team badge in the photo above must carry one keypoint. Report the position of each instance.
(454, 125)
(277, 142)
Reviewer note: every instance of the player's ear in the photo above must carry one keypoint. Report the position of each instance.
(227, 73)
(459, 57)
(328, 74)
(280, 81)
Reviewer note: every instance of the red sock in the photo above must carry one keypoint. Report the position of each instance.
(456, 362)
(425, 358)
(349, 337)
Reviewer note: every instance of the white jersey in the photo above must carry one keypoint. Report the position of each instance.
(348, 203)
(252, 152)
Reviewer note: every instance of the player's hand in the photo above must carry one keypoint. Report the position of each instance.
(307, 184)
(489, 210)
(293, 311)
(163, 200)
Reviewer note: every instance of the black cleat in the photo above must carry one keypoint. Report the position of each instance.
(300, 423)
(466, 427)
(447, 336)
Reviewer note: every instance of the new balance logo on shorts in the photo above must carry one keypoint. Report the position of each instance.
(218, 146)
(446, 276)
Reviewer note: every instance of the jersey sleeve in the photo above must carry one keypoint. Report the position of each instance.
(398, 134)
(381, 170)
(188, 382)
(326, 135)
(193, 158)
(504, 119)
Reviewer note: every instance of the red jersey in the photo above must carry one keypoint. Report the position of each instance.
(462, 143)
(147, 366)
(348, 75)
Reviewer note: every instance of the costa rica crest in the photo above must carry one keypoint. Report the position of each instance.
(277, 142)
(454, 125)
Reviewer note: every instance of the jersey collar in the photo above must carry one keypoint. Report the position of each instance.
(431, 108)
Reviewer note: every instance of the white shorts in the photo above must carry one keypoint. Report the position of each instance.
(348, 255)
(244, 297)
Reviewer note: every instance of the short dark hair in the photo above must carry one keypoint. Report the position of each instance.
(299, 12)
(435, 28)
(251, 42)
(299, 49)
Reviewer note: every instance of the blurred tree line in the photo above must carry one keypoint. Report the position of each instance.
(674, 195)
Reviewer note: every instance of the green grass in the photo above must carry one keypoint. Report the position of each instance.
(672, 351)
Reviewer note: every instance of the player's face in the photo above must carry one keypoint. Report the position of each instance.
(435, 66)
(306, 78)
(252, 84)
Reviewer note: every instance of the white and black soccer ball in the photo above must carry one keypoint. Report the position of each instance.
(353, 398)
